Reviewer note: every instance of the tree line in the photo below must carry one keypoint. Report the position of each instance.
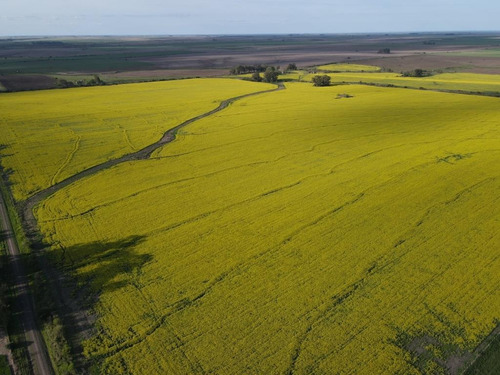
(94, 81)
(259, 68)
(269, 73)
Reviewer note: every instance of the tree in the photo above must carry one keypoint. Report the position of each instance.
(384, 50)
(95, 81)
(291, 67)
(418, 73)
(237, 69)
(271, 75)
(323, 80)
(256, 77)
(242, 69)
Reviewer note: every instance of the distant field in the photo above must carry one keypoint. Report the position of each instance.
(490, 52)
(28, 63)
(76, 64)
(51, 135)
(145, 75)
(488, 83)
(293, 232)
(349, 68)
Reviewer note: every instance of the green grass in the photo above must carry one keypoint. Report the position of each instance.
(489, 362)
(4, 363)
(15, 220)
(18, 348)
(4, 366)
(51, 326)
(72, 63)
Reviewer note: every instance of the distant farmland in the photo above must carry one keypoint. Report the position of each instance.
(342, 229)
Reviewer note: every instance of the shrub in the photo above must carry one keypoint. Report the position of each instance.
(271, 75)
(256, 77)
(323, 80)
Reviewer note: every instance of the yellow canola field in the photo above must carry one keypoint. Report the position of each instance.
(349, 68)
(295, 233)
(472, 82)
(51, 135)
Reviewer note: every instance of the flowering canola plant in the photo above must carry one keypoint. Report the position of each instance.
(295, 232)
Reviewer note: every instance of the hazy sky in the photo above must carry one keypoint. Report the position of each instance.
(142, 17)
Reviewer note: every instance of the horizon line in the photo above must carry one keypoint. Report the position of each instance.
(448, 32)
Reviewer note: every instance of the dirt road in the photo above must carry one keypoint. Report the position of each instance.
(145, 153)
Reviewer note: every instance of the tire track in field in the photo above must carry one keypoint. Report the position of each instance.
(142, 154)
(252, 164)
(380, 264)
(326, 309)
(313, 148)
(247, 165)
(127, 138)
(233, 271)
(180, 305)
(67, 160)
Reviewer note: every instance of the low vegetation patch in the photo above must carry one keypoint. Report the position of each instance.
(323, 80)
(4, 364)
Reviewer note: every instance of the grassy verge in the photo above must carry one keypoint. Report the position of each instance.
(4, 365)
(18, 346)
(9, 316)
(52, 327)
(489, 361)
(48, 316)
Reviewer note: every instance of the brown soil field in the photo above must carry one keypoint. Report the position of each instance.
(27, 82)
(280, 58)
(165, 73)
(28, 63)
(486, 65)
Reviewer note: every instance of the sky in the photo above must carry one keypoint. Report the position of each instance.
(181, 17)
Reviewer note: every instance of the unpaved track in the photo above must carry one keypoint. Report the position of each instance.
(36, 345)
